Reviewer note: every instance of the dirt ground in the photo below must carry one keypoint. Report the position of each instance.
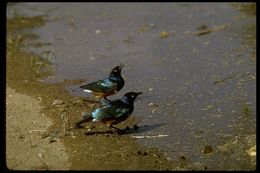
(25, 147)
(34, 143)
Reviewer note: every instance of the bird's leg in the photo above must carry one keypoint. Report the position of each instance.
(89, 100)
(117, 128)
(78, 124)
(85, 118)
(105, 101)
(119, 131)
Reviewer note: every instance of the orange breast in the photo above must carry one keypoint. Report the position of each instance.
(100, 95)
(109, 123)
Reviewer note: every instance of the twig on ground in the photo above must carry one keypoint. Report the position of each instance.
(153, 136)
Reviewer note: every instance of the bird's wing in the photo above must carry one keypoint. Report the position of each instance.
(100, 86)
(118, 109)
(113, 110)
(100, 114)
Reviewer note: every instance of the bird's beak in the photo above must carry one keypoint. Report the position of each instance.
(121, 66)
(139, 93)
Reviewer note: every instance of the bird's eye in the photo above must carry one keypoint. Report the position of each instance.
(132, 96)
(115, 70)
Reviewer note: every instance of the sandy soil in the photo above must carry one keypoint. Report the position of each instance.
(26, 146)
(38, 142)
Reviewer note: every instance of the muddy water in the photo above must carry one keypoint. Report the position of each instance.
(196, 87)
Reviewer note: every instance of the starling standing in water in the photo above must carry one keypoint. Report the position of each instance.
(107, 86)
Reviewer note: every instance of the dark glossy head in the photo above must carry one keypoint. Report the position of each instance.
(131, 96)
(117, 70)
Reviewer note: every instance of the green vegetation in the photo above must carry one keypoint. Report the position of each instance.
(245, 110)
(20, 22)
(22, 65)
(248, 8)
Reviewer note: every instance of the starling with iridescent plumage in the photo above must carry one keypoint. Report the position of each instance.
(107, 86)
(113, 113)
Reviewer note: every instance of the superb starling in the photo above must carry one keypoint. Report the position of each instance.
(108, 86)
(114, 112)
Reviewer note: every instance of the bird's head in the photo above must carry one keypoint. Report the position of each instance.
(117, 70)
(130, 96)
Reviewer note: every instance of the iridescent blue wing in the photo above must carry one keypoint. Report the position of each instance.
(102, 86)
(111, 111)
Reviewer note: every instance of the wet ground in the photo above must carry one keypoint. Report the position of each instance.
(194, 63)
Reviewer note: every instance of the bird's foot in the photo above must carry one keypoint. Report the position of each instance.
(121, 132)
(124, 131)
(135, 127)
(128, 129)
(104, 102)
(78, 126)
(85, 117)
(118, 131)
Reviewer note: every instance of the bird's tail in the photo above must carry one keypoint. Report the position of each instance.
(86, 118)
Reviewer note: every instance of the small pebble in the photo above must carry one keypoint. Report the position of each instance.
(57, 102)
(92, 58)
(252, 151)
(142, 153)
(52, 140)
(152, 25)
(207, 149)
(151, 104)
(183, 158)
(139, 152)
(21, 137)
(164, 34)
(145, 153)
(45, 135)
(62, 110)
(40, 155)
